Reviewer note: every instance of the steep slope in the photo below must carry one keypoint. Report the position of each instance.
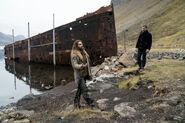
(165, 19)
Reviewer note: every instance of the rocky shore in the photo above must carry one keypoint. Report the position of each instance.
(121, 94)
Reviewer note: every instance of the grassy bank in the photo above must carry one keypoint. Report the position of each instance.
(166, 25)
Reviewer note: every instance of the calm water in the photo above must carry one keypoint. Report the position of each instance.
(19, 79)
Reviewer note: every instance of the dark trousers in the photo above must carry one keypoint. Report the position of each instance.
(82, 89)
(141, 58)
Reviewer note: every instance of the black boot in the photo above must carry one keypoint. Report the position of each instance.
(77, 104)
(90, 102)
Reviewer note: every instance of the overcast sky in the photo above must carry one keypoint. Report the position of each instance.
(15, 14)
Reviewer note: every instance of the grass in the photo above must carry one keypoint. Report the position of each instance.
(163, 74)
(166, 26)
(83, 114)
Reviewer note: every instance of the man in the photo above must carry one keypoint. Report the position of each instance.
(143, 47)
(82, 71)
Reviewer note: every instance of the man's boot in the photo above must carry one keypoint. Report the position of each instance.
(76, 103)
(90, 102)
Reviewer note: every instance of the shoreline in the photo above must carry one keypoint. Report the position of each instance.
(139, 99)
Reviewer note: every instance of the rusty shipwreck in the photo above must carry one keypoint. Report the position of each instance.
(96, 30)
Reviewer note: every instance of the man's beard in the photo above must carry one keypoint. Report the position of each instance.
(81, 49)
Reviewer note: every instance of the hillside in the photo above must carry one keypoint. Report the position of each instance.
(165, 19)
(7, 39)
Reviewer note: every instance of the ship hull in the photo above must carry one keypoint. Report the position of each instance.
(96, 30)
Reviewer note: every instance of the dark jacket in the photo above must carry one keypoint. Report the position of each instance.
(144, 41)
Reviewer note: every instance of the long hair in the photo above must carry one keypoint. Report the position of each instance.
(76, 50)
(75, 45)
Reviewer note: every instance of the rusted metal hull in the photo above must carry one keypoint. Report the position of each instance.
(96, 30)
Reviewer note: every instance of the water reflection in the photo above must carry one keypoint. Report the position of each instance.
(39, 76)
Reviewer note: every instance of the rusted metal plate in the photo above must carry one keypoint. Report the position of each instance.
(96, 30)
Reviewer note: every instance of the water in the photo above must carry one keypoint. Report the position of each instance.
(19, 79)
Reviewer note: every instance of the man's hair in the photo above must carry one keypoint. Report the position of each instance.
(75, 45)
(145, 26)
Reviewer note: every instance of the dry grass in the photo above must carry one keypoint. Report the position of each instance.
(83, 114)
(161, 73)
(166, 25)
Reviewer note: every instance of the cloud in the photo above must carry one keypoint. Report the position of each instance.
(17, 13)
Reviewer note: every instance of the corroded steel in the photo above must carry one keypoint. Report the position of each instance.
(96, 30)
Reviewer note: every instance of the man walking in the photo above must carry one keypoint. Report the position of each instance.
(143, 46)
(82, 72)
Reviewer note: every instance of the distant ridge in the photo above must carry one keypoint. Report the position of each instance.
(7, 39)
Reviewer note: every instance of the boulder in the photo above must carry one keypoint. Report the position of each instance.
(175, 100)
(22, 121)
(102, 103)
(127, 60)
(116, 99)
(124, 110)
(95, 70)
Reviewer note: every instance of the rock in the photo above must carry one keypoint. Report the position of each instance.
(26, 112)
(164, 105)
(1, 113)
(5, 121)
(10, 120)
(101, 91)
(102, 103)
(175, 100)
(48, 87)
(22, 121)
(102, 100)
(28, 97)
(124, 110)
(70, 108)
(127, 60)
(160, 57)
(113, 58)
(116, 99)
(11, 109)
(95, 70)
(179, 119)
(167, 57)
(61, 118)
(116, 65)
(106, 68)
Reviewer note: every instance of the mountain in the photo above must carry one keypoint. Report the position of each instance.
(165, 20)
(7, 39)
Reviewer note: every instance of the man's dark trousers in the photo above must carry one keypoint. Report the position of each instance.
(141, 58)
(82, 89)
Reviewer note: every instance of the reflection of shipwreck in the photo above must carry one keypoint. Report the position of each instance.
(39, 76)
(96, 30)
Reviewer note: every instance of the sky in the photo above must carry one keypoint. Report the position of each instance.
(15, 14)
